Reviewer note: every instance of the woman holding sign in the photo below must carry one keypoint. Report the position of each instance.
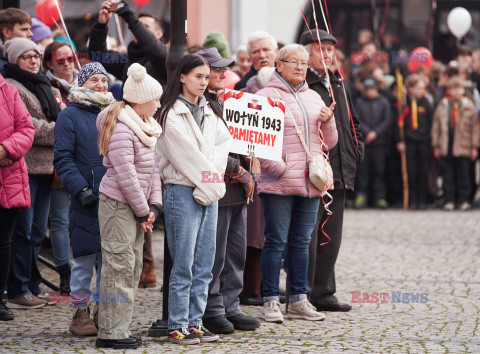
(290, 204)
(193, 155)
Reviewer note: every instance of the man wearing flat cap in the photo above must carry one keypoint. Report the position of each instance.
(223, 314)
(344, 159)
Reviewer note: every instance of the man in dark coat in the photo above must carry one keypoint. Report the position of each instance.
(146, 49)
(344, 159)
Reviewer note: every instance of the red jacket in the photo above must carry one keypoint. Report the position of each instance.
(16, 136)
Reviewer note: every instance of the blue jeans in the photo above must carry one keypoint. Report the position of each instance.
(59, 235)
(82, 272)
(191, 234)
(289, 221)
(27, 239)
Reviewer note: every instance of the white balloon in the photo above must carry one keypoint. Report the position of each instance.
(459, 22)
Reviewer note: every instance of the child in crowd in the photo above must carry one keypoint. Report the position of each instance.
(130, 201)
(413, 137)
(375, 116)
(455, 141)
(80, 168)
(194, 143)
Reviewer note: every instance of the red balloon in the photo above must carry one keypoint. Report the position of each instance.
(231, 79)
(47, 12)
(141, 2)
(419, 57)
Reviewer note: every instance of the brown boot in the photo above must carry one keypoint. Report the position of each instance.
(148, 279)
(95, 316)
(82, 324)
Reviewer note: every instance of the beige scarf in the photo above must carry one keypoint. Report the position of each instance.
(147, 132)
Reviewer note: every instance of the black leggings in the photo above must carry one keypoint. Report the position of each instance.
(7, 224)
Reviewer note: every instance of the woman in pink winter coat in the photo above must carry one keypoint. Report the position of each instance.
(290, 204)
(16, 138)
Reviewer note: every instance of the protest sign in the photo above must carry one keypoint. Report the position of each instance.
(255, 123)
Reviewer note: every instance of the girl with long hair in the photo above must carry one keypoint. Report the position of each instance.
(130, 201)
(193, 151)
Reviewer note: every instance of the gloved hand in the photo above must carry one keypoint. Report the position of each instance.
(86, 198)
(127, 14)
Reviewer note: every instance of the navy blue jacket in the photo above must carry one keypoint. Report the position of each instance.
(375, 115)
(79, 164)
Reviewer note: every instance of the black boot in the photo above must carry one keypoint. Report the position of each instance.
(218, 325)
(127, 343)
(65, 273)
(243, 322)
(5, 313)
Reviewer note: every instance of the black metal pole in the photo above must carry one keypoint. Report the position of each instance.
(178, 48)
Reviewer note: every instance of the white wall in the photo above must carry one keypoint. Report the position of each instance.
(278, 17)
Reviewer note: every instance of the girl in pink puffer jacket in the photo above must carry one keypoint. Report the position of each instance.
(130, 201)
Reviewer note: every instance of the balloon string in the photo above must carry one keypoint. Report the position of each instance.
(329, 29)
(431, 25)
(320, 51)
(66, 33)
(383, 26)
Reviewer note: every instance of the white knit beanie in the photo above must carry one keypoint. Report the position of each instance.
(139, 86)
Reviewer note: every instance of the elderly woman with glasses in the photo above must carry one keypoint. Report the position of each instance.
(290, 204)
(44, 104)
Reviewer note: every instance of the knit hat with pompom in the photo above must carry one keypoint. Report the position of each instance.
(140, 87)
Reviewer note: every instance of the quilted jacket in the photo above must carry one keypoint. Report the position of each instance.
(79, 165)
(132, 176)
(16, 136)
(291, 174)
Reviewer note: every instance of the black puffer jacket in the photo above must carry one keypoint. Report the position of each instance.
(148, 51)
(346, 156)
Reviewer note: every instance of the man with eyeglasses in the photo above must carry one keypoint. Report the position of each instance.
(344, 159)
(13, 23)
(223, 314)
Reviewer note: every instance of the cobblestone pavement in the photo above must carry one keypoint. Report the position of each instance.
(430, 252)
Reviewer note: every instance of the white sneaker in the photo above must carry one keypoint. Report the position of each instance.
(449, 206)
(304, 310)
(272, 312)
(465, 206)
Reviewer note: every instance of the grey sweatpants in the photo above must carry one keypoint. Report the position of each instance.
(231, 248)
(122, 255)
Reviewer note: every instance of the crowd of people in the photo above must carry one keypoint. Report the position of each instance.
(97, 152)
